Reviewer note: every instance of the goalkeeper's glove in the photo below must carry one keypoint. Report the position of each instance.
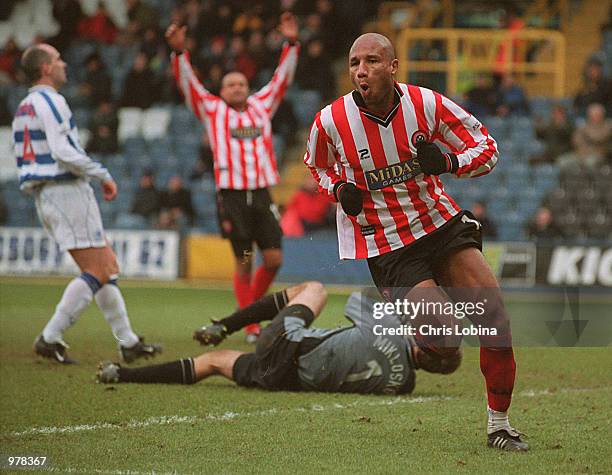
(433, 161)
(349, 197)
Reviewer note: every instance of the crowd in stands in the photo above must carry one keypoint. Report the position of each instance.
(171, 208)
(118, 58)
(575, 138)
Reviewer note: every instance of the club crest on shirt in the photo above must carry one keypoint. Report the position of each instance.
(391, 175)
(26, 109)
(417, 137)
(245, 132)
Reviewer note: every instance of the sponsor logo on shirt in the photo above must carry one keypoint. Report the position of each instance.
(368, 230)
(26, 109)
(245, 132)
(392, 174)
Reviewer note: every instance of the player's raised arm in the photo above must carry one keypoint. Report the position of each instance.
(54, 115)
(272, 93)
(475, 150)
(197, 97)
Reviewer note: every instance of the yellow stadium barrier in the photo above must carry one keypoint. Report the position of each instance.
(208, 257)
(478, 51)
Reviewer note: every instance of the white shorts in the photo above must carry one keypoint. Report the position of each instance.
(69, 212)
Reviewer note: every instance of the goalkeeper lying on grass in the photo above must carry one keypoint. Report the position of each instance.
(292, 356)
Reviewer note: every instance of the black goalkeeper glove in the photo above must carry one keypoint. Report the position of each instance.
(349, 197)
(433, 161)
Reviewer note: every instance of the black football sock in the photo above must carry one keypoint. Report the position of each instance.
(175, 372)
(265, 308)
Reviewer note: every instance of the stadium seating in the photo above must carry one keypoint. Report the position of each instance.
(166, 140)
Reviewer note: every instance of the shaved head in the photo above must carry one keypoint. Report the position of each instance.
(375, 39)
(33, 58)
(42, 64)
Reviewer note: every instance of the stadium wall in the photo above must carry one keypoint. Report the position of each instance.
(516, 264)
(141, 254)
(158, 254)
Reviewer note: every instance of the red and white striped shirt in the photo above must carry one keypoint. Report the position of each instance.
(399, 205)
(241, 141)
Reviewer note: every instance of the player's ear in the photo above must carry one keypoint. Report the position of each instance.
(44, 68)
(394, 66)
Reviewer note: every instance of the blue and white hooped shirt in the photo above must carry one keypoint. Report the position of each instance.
(46, 141)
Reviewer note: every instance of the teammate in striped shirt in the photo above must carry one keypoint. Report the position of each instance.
(373, 150)
(55, 169)
(239, 126)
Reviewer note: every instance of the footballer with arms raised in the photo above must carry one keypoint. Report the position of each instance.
(292, 356)
(239, 125)
(373, 151)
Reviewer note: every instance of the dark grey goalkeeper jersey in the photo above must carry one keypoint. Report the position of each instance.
(355, 359)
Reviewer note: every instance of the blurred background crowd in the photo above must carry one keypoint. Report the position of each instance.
(556, 154)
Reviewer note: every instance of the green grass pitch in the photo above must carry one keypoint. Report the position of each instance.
(562, 403)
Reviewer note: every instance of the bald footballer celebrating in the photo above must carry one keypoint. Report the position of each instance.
(373, 151)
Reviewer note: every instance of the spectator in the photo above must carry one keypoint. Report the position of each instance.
(511, 98)
(248, 20)
(68, 14)
(96, 87)
(191, 10)
(481, 100)
(542, 226)
(556, 136)
(216, 24)
(141, 16)
(140, 88)
(9, 62)
(488, 228)
(257, 50)
(592, 140)
(167, 221)
(314, 71)
(6, 117)
(103, 126)
(177, 199)
(215, 51)
(285, 124)
(147, 199)
(308, 210)
(205, 162)
(329, 22)
(512, 22)
(99, 27)
(168, 92)
(595, 89)
(240, 60)
(312, 28)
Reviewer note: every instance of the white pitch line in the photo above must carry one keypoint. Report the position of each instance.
(105, 472)
(226, 416)
(552, 392)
